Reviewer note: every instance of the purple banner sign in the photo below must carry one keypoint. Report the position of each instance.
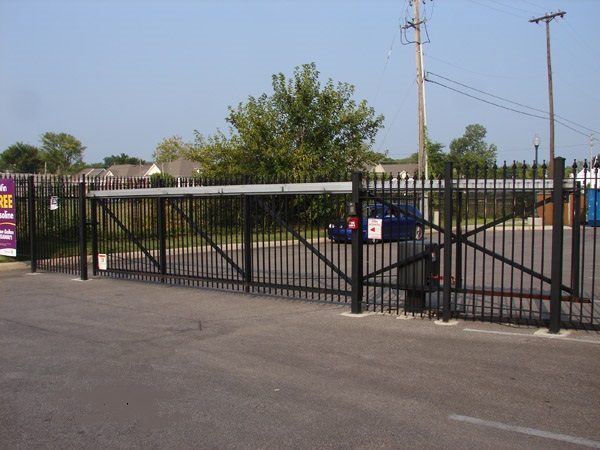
(8, 225)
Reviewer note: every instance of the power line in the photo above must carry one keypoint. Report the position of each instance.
(484, 101)
(561, 122)
(510, 101)
(496, 8)
(509, 5)
(486, 93)
(507, 108)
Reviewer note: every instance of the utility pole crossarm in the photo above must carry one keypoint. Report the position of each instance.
(548, 17)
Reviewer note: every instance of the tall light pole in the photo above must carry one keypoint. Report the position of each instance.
(548, 18)
(536, 144)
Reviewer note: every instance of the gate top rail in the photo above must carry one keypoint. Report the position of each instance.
(252, 189)
(469, 184)
(495, 183)
(343, 187)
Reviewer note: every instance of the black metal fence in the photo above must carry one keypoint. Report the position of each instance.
(496, 246)
(49, 224)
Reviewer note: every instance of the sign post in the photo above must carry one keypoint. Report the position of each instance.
(374, 231)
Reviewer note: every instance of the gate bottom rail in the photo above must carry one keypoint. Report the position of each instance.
(521, 294)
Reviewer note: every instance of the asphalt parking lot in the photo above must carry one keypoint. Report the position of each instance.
(107, 363)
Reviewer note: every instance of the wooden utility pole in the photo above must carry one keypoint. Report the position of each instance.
(416, 25)
(422, 161)
(548, 18)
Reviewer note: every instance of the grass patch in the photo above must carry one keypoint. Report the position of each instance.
(5, 259)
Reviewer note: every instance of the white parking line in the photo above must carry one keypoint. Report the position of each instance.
(529, 431)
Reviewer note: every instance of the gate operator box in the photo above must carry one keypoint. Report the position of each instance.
(419, 266)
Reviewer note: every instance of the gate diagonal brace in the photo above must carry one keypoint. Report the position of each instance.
(207, 238)
(403, 263)
(308, 245)
(464, 239)
(131, 236)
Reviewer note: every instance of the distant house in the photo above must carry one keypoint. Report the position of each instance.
(589, 177)
(91, 172)
(133, 170)
(180, 168)
(401, 171)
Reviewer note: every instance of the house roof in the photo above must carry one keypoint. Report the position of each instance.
(91, 172)
(410, 169)
(590, 176)
(133, 170)
(394, 169)
(180, 168)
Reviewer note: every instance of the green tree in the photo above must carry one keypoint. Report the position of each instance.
(412, 159)
(21, 158)
(121, 159)
(61, 152)
(218, 154)
(436, 158)
(388, 160)
(471, 152)
(172, 148)
(301, 129)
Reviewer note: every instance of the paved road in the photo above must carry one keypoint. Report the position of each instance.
(119, 364)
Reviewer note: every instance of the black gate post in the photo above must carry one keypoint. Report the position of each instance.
(247, 241)
(32, 223)
(557, 245)
(447, 241)
(357, 246)
(83, 265)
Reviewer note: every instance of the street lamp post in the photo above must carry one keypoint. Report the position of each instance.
(536, 144)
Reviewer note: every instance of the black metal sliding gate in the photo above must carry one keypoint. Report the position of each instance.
(255, 238)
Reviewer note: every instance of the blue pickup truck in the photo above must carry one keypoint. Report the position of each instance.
(399, 222)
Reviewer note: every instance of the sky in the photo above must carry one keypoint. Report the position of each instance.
(122, 75)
